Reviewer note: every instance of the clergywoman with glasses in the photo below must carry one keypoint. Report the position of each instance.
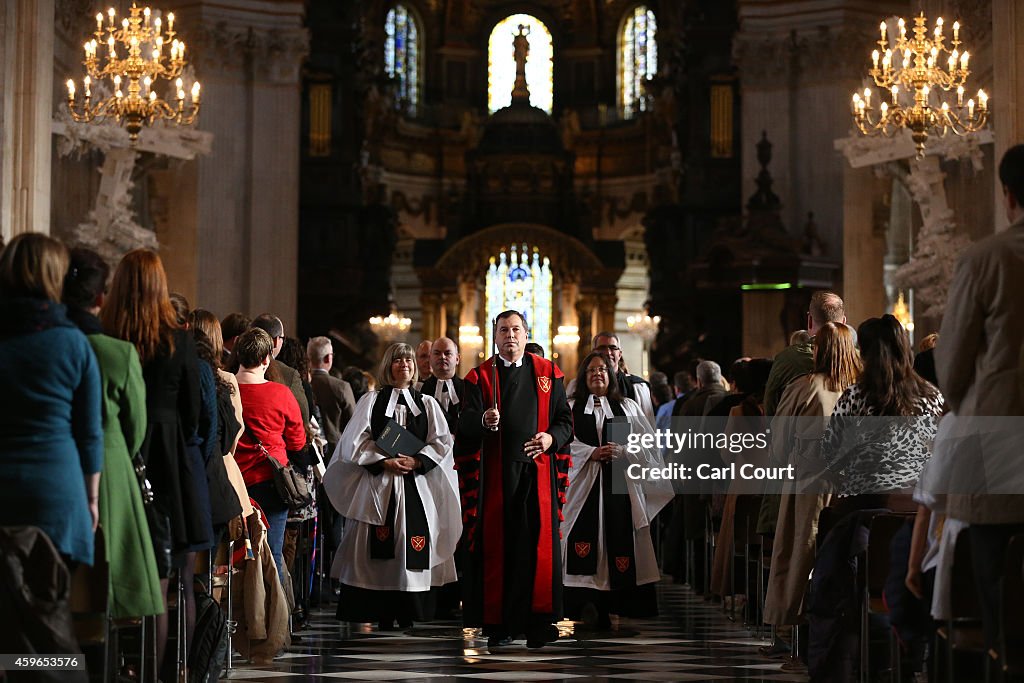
(607, 551)
(403, 513)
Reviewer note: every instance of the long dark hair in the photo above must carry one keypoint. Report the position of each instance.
(888, 380)
(582, 391)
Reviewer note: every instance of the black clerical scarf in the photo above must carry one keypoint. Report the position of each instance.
(618, 513)
(627, 384)
(417, 534)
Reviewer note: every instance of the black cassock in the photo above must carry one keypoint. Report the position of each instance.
(510, 604)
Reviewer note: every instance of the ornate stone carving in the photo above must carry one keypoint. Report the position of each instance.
(275, 54)
(778, 60)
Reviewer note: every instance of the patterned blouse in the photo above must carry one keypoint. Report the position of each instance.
(875, 454)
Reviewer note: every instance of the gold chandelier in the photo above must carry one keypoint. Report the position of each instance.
(912, 76)
(135, 62)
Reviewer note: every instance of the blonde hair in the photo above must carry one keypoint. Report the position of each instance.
(391, 354)
(33, 265)
(836, 356)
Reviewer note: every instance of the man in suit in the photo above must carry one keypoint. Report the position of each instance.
(278, 371)
(631, 386)
(977, 360)
(333, 396)
(233, 325)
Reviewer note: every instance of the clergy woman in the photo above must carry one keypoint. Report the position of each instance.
(402, 511)
(607, 551)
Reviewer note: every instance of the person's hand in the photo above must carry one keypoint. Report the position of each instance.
(915, 583)
(540, 442)
(608, 451)
(94, 512)
(491, 418)
(398, 466)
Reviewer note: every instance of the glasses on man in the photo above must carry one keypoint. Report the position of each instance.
(608, 347)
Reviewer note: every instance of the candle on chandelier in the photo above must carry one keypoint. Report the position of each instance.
(874, 57)
(181, 91)
(867, 96)
(87, 82)
(885, 110)
(110, 14)
(145, 14)
(195, 92)
(903, 28)
(982, 100)
(170, 21)
(99, 22)
(970, 109)
(156, 25)
(71, 90)
(960, 96)
(117, 86)
(938, 28)
(963, 60)
(110, 47)
(952, 62)
(887, 60)
(146, 84)
(881, 27)
(956, 31)
(895, 91)
(124, 23)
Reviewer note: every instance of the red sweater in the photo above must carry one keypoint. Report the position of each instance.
(271, 412)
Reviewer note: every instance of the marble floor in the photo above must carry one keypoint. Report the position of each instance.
(691, 641)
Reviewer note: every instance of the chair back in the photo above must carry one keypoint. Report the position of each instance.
(881, 532)
(963, 593)
(1011, 608)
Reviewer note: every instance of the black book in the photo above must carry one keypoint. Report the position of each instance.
(618, 428)
(396, 440)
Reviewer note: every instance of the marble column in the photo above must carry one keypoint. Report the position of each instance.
(763, 334)
(1007, 86)
(864, 247)
(248, 204)
(585, 309)
(26, 84)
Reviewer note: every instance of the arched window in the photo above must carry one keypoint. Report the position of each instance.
(520, 280)
(402, 57)
(638, 59)
(501, 73)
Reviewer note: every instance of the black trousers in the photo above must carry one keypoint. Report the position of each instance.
(988, 553)
(522, 531)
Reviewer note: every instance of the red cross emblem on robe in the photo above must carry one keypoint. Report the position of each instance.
(418, 542)
(582, 548)
(544, 383)
(383, 532)
(622, 564)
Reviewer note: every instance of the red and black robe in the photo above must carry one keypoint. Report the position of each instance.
(511, 502)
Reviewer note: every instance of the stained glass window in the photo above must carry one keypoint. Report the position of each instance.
(520, 280)
(638, 56)
(402, 57)
(501, 72)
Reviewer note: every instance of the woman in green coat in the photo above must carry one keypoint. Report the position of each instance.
(134, 583)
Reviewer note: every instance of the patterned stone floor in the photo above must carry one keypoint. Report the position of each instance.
(691, 641)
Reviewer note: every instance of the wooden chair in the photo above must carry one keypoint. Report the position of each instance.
(874, 570)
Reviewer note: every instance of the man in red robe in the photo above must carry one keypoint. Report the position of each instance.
(515, 422)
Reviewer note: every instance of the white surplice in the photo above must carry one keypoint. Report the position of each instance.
(363, 498)
(646, 499)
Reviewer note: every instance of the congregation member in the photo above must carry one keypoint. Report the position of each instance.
(51, 430)
(333, 396)
(278, 371)
(139, 310)
(402, 512)
(607, 550)
(799, 423)
(535, 348)
(273, 426)
(979, 366)
(515, 422)
(797, 359)
(232, 326)
(134, 583)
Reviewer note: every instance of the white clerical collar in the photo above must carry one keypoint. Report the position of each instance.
(446, 385)
(511, 364)
(602, 401)
(393, 401)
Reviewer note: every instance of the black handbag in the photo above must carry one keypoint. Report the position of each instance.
(145, 488)
(290, 485)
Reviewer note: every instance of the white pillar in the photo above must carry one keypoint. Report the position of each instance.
(26, 84)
